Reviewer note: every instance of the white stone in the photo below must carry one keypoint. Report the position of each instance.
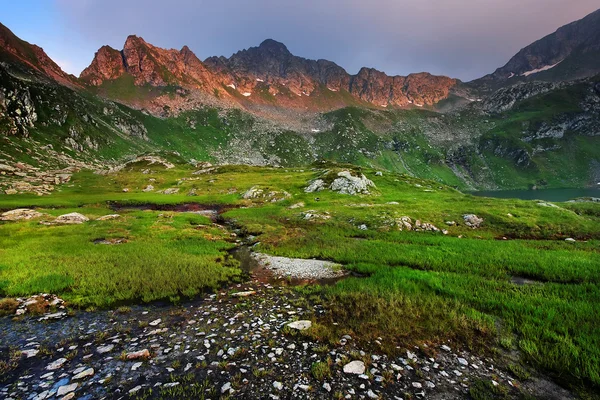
(63, 390)
(355, 367)
(84, 374)
(56, 364)
(300, 325)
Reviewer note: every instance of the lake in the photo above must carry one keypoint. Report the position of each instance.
(557, 195)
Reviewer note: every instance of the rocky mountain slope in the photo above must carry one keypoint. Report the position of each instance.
(531, 133)
(572, 52)
(34, 57)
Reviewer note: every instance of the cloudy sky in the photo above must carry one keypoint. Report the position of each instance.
(460, 38)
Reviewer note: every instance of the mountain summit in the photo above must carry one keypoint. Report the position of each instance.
(266, 74)
(572, 52)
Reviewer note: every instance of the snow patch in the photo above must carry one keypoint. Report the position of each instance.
(247, 94)
(259, 80)
(384, 105)
(418, 105)
(231, 85)
(535, 71)
(333, 90)
(511, 75)
(315, 130)
(410, 102)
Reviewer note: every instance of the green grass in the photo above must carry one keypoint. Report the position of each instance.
(415, 287)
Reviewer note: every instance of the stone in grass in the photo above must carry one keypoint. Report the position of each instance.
(84, 374)
(19, 214)
(226, 388)
(108, 217)
(570, 240)
(155, 322)
(63, 390)
(243, 294)
(105, 349)
(355, 367)
(300, 325)
(71, 218)
(56, 364)
(278, 385)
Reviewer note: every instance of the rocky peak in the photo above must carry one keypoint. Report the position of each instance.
(32, 56)
(107, 65)
(572, 52)
(274, 47)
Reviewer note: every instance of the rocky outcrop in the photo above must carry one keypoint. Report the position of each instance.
(418, 89)
(343, 182)
(107, 65)
(17, 110)
(148, 64)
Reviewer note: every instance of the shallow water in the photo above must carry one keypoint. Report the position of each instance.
(558, 195)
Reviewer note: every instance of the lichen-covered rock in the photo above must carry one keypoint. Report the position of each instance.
(19, 214)
(258, 193)
(472, 220)
(71, 218)
(315, 186)
(352, 185)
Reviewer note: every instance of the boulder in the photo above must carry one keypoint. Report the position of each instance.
(352, 185)
(472, 220)
(315, 186)
(19, 214)
(71, 218)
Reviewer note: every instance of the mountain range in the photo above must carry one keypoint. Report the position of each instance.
(532, 122)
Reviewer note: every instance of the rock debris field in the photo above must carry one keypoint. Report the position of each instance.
(251, 341)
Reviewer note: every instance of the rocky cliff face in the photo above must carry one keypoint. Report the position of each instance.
(107, 65)
(148, 65)
(269, 74)
(271, 63)
(418, 89)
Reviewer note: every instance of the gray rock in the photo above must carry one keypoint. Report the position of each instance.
(71, 218)
(352, 185)
(84, 374)
(19, 214)
(56, 364)
(105, 349)
(355, 367)
(63, 390)
(300, 325)
(315, 186)
(472, 220)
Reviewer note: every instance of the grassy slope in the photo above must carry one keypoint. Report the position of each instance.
(419, 286)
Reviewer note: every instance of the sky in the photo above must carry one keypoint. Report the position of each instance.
(464, 39)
